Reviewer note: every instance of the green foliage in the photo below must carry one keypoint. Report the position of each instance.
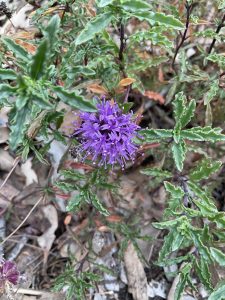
(218, 293)
(183, 113)
(85, 187)
(77, 283)
(93, 27)
(97, 46)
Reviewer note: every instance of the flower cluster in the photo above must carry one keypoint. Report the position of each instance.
(8, 273)
(107, 135)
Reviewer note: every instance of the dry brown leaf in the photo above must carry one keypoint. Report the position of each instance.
(160, 75)
(4, 134)
(126, 81)
(6, 160)
(35, 125)
(97, 89)
(4, 115)
(104, 228)
(70, 121)
(28, 46)
(28, 35)
(137, 281)
(155, 96)
(114, 219)
(7, 193)
(28, 172)
(67, 219)
(46, 240)
(90, 8)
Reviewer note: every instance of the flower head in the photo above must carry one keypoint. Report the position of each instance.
(107, 135)
(8, 273)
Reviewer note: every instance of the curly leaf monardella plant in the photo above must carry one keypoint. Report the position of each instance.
(107, 135)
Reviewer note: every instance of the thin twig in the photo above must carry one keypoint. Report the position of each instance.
(127, 93)
(220, 26)
(17, 249)
(189, 8)
(122, 48)
(21, 224)
(122, 41)
(15, 163)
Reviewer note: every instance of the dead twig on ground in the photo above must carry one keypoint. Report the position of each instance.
(21, 224)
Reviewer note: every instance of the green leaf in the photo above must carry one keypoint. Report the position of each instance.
(175, 191)
(179, 105)
(17, 50)
(175, 200)
(65, 186)
(98, 205)
(204, 169)
(103, 3)
(150, 135)
(40, 100)
(160, 18)
(172, 242)
(183, 278)
(219, 59)
(93, 27)
(51, 31)
(202, 270)
(179, 151)
(183, 111)
(77, 70)
(218, 294)
(218, 255)
(207, 134)
(18, 128)
(74, 203)
(39, 60)
(6, 90)
(202, 249)
(188, 113)
(212, 92)
(201, 194)
(72, 174)
(143, 65)
(39, 156)
(168, 224)
(134, 5)
(7, 74)
(156, 172)
(173, 261)
(221, 4)
(74, 100)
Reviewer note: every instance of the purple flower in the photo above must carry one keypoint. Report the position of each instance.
(107, 135)
(8, 273)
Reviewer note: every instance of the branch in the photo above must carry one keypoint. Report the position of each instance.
(122, 48)
(220, 26)
(122, 41)
(189, 8)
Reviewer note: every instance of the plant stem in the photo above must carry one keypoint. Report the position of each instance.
(122, 48)
(189, 8)
(220, 26)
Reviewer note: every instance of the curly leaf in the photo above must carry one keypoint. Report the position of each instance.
(179, 151)
(93, 27)
(74, 100)
(207, 134)
(218, 293)
(218, 255)
(39, 60)
(204, 169)
(183, 279)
